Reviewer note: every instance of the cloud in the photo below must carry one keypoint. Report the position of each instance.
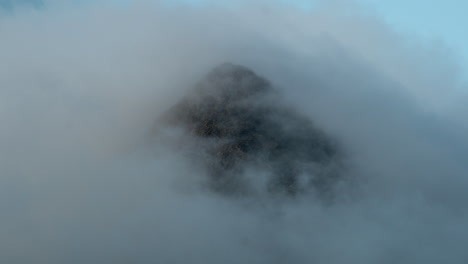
(81, 86)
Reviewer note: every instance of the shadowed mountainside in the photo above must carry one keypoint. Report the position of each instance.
(242, 123)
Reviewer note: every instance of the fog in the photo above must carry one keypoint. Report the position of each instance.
(81, 86)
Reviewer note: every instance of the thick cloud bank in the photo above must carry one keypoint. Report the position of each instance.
(81, 88)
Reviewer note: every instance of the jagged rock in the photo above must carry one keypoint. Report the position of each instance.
(243, 123)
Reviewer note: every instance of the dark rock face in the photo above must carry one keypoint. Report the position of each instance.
(243, 123)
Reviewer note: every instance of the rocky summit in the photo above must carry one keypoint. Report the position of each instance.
(242, 123)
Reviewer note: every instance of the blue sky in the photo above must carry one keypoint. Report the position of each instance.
(440, 19)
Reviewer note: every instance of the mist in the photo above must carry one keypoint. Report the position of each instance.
(81, 86)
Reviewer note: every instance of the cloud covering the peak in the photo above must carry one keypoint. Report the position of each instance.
(80, 86)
